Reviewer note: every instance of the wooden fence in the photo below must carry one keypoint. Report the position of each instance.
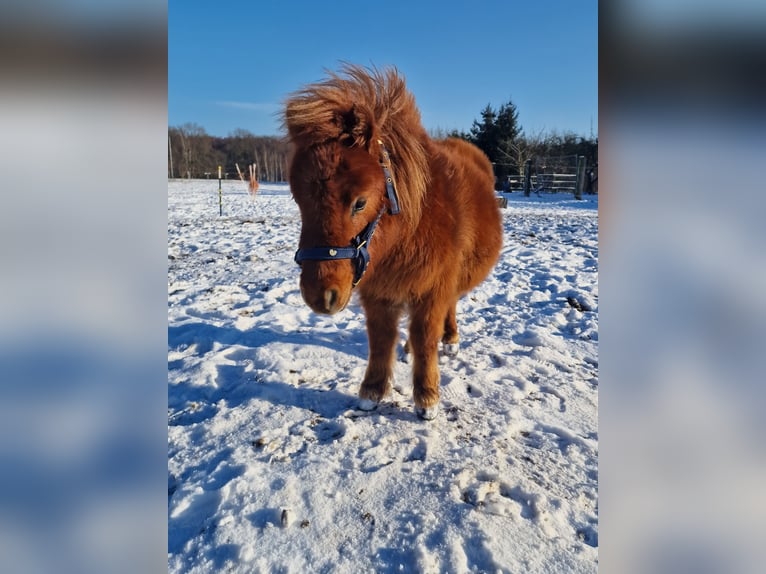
(562, 174)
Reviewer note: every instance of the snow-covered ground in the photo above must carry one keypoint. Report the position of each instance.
(271, 468)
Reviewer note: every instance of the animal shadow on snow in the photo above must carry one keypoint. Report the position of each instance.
(236, 386)
(205, 335)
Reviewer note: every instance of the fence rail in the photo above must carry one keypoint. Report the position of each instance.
(552, 175)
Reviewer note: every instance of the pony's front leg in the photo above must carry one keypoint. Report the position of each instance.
(426, 330)
(382, 334)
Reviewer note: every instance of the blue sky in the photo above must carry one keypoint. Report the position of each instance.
(232, 63)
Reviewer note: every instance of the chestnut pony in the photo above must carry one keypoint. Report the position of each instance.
(411, 222)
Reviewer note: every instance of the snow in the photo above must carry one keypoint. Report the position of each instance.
(272, 467)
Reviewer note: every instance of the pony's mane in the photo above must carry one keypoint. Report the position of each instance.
(357, 107)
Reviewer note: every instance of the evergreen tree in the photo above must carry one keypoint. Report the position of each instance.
(497, 132)
(485, 134)
(508, 130)
(460, 135)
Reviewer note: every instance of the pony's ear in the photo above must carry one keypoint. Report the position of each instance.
(355, 127)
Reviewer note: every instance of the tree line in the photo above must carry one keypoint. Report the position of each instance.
(499, 134)
(192, 153)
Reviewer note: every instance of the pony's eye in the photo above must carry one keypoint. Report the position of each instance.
(359, 204)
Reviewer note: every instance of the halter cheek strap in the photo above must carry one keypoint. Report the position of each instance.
(357, 251)
(385, 163)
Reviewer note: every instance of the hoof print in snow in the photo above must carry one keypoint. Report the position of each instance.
(267, 517)
(259, 443)
(329, 431)
(451, 413)
(474, 391)
(172, 484)
(588, 536)
(578, 305)
(418, 452)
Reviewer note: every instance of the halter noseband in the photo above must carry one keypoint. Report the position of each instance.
(357, 251)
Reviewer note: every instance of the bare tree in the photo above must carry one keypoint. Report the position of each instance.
(170, 156)
(193, 153)
(192, 148)
(523, 148)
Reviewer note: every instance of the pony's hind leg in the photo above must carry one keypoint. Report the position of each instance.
(450, 338)
(382, 334)
(426, 329)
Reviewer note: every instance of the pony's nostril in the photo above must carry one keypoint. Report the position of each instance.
(330, 298)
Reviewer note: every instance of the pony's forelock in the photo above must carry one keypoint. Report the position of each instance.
(358, 106)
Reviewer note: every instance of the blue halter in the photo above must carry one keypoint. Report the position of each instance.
(357, 251)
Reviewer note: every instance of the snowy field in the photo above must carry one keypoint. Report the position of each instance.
(271, 468)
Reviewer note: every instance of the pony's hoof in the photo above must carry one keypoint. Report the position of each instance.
(367, 405)
(427, 413)
(450, 349)
(404, 352)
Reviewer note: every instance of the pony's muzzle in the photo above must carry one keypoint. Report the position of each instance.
(326, 302)
(324, 295)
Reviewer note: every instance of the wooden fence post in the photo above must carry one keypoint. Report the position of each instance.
(527, 177)
(580, 179)
(220, 194)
